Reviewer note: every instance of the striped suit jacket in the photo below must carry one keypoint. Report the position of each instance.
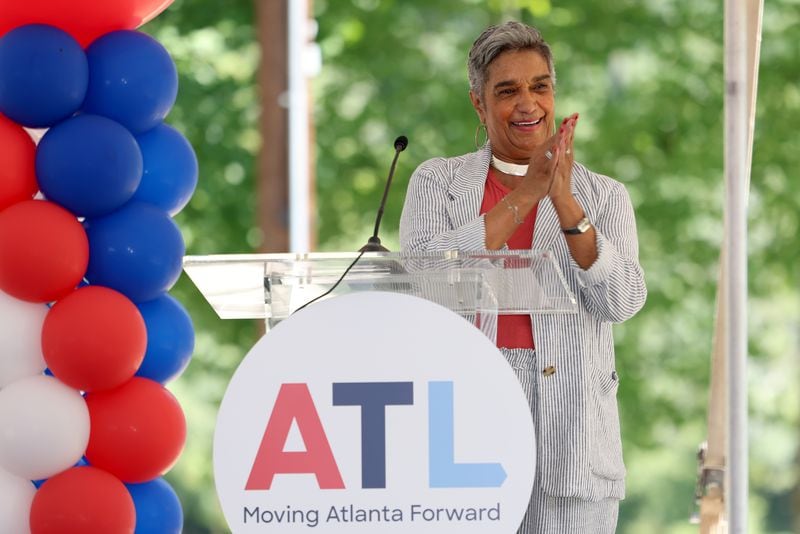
(580, 450)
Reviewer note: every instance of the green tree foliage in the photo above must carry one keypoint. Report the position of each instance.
(647, 79)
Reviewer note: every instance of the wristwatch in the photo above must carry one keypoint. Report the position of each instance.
(581, 228)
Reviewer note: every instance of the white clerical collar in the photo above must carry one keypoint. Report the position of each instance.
(512, 169)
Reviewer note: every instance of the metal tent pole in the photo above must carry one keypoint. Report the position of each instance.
(735, 259)
(299, 128)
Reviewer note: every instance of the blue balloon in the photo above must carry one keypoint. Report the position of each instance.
(137, 250)
(43, 75)
(132, 79)
(170, 339)
(91, 165)
(170, 169)
(158, 509)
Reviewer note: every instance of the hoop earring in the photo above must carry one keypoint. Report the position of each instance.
(477, 133)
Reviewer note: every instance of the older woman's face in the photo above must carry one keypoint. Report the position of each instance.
(517, 104)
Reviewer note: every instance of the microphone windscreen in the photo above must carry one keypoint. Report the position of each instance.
(401, 143)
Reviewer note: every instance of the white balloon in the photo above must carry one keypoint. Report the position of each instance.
(36, 133)
(20, 339)
(15, 506)
(44, 427)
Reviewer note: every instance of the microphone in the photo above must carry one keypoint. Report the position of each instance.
(374, 242)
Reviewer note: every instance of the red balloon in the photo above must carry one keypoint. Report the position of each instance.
(85, 20)
(80, 500)
(137, 430)
(94, 339)
(44, 251)
(17, 164)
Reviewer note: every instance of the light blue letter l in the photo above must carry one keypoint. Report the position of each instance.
(443, 471)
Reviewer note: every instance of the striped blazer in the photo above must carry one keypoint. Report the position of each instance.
(579, 436)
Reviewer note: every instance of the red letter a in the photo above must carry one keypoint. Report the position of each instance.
(294, 402)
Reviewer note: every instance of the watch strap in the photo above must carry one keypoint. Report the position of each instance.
(580, 228)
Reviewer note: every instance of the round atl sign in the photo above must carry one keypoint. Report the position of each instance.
(374, 412)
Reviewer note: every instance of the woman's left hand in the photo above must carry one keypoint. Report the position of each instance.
(562, 180)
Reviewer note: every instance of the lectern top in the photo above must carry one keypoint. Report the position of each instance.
(272, 286)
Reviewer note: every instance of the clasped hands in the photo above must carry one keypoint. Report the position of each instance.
(550, 165)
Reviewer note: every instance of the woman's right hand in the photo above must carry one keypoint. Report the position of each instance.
(541, 169)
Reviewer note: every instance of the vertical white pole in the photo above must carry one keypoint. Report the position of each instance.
(299, 182)
(736, 177)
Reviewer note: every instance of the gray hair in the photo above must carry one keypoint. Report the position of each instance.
(495, 40)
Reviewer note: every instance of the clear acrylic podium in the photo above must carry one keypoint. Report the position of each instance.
(479, 286)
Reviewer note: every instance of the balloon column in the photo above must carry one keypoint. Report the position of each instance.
(88, 250)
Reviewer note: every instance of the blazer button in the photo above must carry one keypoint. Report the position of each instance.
(549, 370)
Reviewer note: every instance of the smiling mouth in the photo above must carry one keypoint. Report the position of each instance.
(528, 123)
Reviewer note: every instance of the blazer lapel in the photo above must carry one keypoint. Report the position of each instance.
(546, 227)
(466, 189)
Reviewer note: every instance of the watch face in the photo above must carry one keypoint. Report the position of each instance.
(581, 228)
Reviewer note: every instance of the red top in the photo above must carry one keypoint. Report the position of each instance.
(513, 331)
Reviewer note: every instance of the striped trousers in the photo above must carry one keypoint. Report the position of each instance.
(556, 515)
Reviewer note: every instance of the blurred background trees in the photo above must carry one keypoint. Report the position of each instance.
(647, 80)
